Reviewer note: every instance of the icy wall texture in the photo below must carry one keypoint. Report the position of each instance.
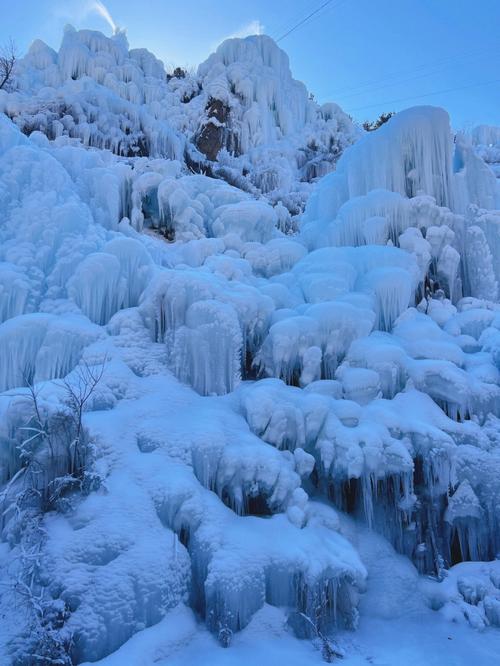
(242, 109)
(255, 382)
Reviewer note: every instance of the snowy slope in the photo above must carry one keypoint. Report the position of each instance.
(279, 417)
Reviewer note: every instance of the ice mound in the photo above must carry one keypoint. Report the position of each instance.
(258, 71)
(469, 593)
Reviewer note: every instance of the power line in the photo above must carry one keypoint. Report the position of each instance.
(450, 59)
(436, 92)
(285, 22)
(393, 101)
(398, 82)
(304, 20)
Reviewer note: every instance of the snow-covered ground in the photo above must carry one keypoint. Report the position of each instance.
(396, 627)
(231, 428)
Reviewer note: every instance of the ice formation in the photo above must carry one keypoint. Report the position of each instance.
(241, 116)
(260, 374)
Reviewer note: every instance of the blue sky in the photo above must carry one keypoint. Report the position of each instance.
(368, 56)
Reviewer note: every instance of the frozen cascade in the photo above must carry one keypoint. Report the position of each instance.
(168, 300)
(393, 290)
(411, 154)
(36, 347)
(374, 461)
(372, 204)
(264, 374)
(244, 61)
(329, 327)
(251, 478)
(464, 514)
(98, 91)
(14, 291)
(481, 277)
(206, 352)
(98, 287)
(136, 267)
(233, 578)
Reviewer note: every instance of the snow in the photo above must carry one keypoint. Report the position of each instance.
(296, 431)
(401, 629)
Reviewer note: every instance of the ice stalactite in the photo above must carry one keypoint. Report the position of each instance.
(489, 222)
(393, 291)
(306, 347)
(464, 515)
(252, 478)
(481, 281)
(136, 267)
(14, 291)
(475, 181)
(207, 350)
(37, 347)
(98, 287)
(233, 578)
(178, 299)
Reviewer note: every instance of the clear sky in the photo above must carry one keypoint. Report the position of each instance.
(368, 56)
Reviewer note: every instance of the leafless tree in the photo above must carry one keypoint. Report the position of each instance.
(8, 57)
(78, 394)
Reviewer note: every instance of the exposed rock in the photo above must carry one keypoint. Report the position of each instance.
(210, 137)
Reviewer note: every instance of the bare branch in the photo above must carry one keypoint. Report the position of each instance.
(8, 57)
